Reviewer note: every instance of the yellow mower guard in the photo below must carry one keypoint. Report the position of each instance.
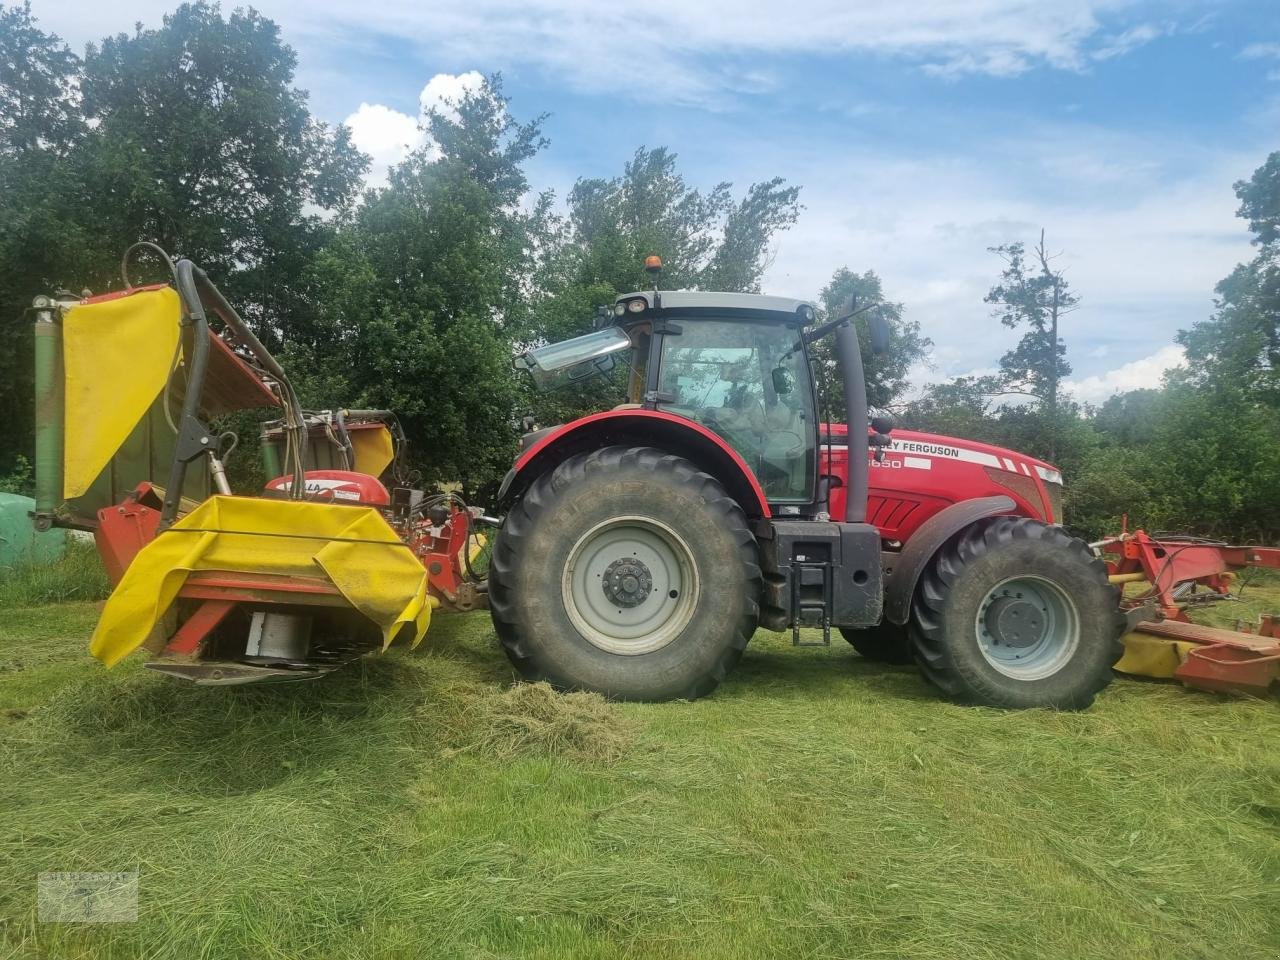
(350, 546)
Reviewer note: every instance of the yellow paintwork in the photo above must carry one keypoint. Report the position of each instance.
(374, 450)
(1146, 655)
(116, 357)
(382, 579)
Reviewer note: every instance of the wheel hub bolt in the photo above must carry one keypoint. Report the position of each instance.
(627, 582)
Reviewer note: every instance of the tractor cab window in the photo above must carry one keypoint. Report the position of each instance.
(743, 381)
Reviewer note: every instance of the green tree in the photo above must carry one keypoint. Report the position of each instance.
(1240, 343)
(190, 134)
(39, 110)
(1215, 462)
(1032, 296)
(1129, 419)
(707, 241)
(41, 243)
(887, 373)
(420, 294)
(960, 407)
(201, 143)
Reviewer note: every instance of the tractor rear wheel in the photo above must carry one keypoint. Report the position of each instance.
(626, 571)
(884, 643)
(1016, 613)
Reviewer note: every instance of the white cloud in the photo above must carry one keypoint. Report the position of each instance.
(1260, 51)
(388, 135)
(445, 89)
(1128, 40)
(1131, 376)
(684, 50)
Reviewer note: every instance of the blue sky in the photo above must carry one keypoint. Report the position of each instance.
(921, 132)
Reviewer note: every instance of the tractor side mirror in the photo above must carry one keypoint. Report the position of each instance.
(878, 327)
(783, 382)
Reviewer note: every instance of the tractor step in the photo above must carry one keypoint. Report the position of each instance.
(824, 642)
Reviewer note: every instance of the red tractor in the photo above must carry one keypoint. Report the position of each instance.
(642, 546)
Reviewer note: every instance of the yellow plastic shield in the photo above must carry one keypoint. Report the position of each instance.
(352, 547)
(374, 450)
(1150, 656)
(116, 357)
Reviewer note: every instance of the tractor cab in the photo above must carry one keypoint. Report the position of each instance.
(736, 364)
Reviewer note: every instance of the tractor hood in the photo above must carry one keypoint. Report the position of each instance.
(917, 442)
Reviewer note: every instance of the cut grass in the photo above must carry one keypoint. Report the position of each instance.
(76, 575)
(818, 805)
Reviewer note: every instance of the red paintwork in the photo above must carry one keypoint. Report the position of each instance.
(209, 585)
(198, 626)
(1228, 660)
(1167, 563)
(338, 486)
(440, 550)
(126, 528)
(568, 428)
(903, 493)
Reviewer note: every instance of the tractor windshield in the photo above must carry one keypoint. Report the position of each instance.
(747, 383)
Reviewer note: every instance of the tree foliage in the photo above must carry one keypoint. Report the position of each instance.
(1032, 296)
(39, 102)
(887, 374)
(190, 134)
(1240, 343)
(200, 142)
(421, 293)
(41, 240)
(708, 240)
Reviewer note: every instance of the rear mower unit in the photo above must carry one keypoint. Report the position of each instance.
(1175, 574)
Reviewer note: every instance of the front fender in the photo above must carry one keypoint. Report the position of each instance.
(926, 541)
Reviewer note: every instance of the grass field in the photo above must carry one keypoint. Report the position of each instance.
(418, 805)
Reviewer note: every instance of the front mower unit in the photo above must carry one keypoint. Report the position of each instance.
(225, 589)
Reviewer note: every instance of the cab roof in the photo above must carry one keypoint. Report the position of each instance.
(712, 300)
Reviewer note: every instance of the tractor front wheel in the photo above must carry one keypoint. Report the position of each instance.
(1016, 613)
(626, 571)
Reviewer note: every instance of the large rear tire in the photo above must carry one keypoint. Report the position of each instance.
(1016, 613)
(626, 571)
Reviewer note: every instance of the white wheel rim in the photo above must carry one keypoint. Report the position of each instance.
(1045, 631)
(630, 585)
